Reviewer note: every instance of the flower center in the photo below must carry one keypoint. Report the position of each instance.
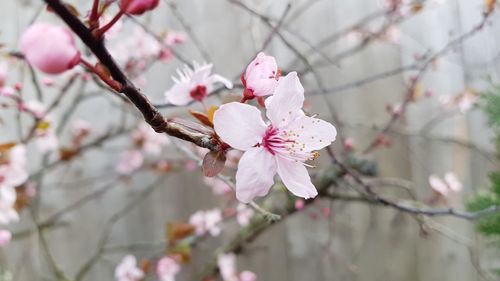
(287, 144)
(199, 93)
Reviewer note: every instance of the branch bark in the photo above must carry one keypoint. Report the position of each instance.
(151, 114)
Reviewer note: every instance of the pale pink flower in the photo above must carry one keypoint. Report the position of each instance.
(175, 38)
(127, 270)
(348, 144)
(138, 7)
(7, 91)
(45, 136)
(150, 141)
(129, 162)
(204, 221)
(5, 237)
(247, 276)
(80, 127)
(48, 82)
(167, 268)
(227, 267)
(463, 102)
(50, 48)
(282, 146)
(194, 84)
(261, 77)
(36, 108)
(450, 183)
(8, 197)
(218, 186)
(244, 214)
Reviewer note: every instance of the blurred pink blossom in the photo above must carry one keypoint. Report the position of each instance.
(247, 276)
(5, 237)
(129, 162)
(50, 48)
(443, 187)
(204, 221)
(138, 7)
(167, 268)
(244, 214)
(175, 38)
(127, 270)
(150, 141)
(218, 186)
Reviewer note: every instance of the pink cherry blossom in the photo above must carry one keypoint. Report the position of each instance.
(443, 187)
(194, 84)
(12, 173)
(138, 7)
(5, 237)
(167, 268)
(227, 267)
(50, 48)
(127, 270)
(129, 162)
(204, 221)
(244, 214)
(247, 276)
(300, 204)
(261, 77)
(150, 141)
(281, 146)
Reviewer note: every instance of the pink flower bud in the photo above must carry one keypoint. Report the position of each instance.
(5, 237)
(49, 48)
(261, 77)
(138, 7)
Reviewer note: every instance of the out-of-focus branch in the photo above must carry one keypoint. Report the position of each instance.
(150, 113)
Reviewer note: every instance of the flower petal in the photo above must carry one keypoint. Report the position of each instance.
(179, 94)
(216, 78)
(255, 174)
(239, 125)
(312, 132)
(296, 178)
(438, 185)
(287, 101)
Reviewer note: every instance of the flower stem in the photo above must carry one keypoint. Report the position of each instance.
(100, 32)
(105, 78)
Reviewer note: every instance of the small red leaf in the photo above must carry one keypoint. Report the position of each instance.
(202, 117)
(213, 163)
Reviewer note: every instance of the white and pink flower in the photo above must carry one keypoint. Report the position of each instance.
(207, 221)
(281, 146)
(127, 270)
(194, 84)
(228, 271)
(150, 141)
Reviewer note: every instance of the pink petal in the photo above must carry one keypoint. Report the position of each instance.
(438, 185)
(453, 182)
(179, 94)
(255, 174)
(312, 132)
(287, 101)
(248, 276)
(261, 75)
(5, 237)
(296, 178)
(239, 125)
(216, 78)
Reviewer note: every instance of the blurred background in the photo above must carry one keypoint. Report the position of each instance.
(357, 60)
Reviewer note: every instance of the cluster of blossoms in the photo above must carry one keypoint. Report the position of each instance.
(207, 221)
(128, 270)
(463, 101)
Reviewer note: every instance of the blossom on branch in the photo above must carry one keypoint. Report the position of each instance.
(127, 270)
(12, 174)
(443, 187)
(207, 221)
(261, 77)
(281, 146)
(50, 48)
(194, 84)
(167, 268)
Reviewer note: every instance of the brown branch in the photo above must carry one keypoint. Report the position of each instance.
(150, 113)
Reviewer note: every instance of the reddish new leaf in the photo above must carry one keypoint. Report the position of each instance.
(213, 163)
